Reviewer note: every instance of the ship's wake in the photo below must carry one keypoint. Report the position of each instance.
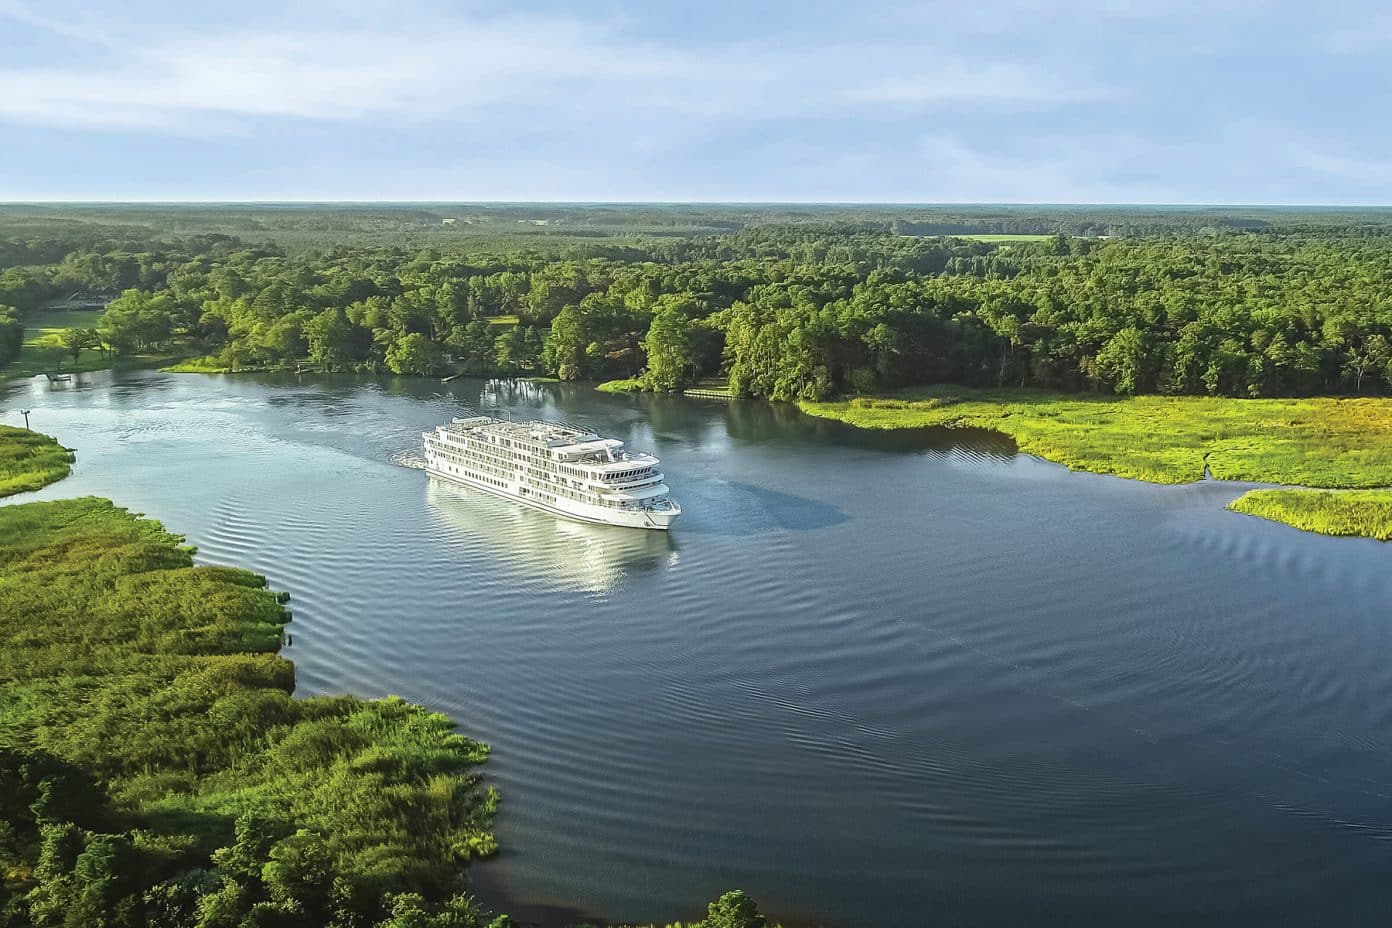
(410, 458)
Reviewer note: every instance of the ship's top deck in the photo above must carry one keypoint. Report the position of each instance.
(565, 442)
(547, 434)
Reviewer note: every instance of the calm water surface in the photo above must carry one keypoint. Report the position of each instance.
(872, 679)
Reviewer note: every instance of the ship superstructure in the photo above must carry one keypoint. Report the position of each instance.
(556, 467)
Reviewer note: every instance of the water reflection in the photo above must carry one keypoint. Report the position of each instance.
(574, 555)
(759, 421)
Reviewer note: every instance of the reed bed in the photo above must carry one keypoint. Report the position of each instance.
(1320, 443)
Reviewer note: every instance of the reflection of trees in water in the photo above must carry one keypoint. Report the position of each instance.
(520, 393)
(639, 416)
(593, 558)
(758, 420)
(690, 420)
(675, 415)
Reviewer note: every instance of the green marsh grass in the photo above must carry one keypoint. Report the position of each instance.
(1363, 513)
(206, 364)
(158, 683)
(625, 385)
(30, 460)
(1322, 443)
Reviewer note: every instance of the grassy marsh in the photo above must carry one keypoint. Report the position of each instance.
(1321, 442)
(1362, 513)
(30, 460)
(155, 687)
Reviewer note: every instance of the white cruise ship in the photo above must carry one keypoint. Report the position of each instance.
(557, 468)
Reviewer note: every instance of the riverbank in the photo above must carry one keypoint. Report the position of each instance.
(148, 712)
(710, 387)
(151, 741)
(30, 460)
(1308, 444)
(1359, 513)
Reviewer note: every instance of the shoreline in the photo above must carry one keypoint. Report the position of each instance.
(1301, 447)
(401, 782)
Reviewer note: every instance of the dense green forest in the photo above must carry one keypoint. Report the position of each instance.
(804, 304)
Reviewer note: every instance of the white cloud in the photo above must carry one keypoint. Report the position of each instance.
(985, 83)
(317, 75)
(555, 67)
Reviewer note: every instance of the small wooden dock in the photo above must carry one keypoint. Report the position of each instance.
(708, 394)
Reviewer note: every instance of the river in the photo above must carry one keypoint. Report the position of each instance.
(872, 679)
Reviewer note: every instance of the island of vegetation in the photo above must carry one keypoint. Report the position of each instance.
(1361, 513)
(156, 770)
(29, 460)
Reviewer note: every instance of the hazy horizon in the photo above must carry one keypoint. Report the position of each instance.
(868, 204)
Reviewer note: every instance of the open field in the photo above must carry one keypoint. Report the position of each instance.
(1320, 442)
(41, 351)
(1005, 237)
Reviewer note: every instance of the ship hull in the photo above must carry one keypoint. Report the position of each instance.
(567, 509)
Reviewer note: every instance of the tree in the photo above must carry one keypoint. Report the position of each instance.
(414, 354)
(332, 338)
(11, 334)
(137, 321)
(1122, 361)
(668, 347)
(734, 910)
(473, 345)
(564, 352)
(75, 340)
(511, 349)
(1372, 355)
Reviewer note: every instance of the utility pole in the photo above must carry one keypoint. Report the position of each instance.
(26, 418)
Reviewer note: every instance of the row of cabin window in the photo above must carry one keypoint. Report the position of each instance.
(594, 499)
(475, 466)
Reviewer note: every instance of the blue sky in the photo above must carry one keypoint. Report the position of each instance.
(1184, 101)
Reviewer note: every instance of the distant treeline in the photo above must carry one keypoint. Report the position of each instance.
(554, 227)
(800, 310)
